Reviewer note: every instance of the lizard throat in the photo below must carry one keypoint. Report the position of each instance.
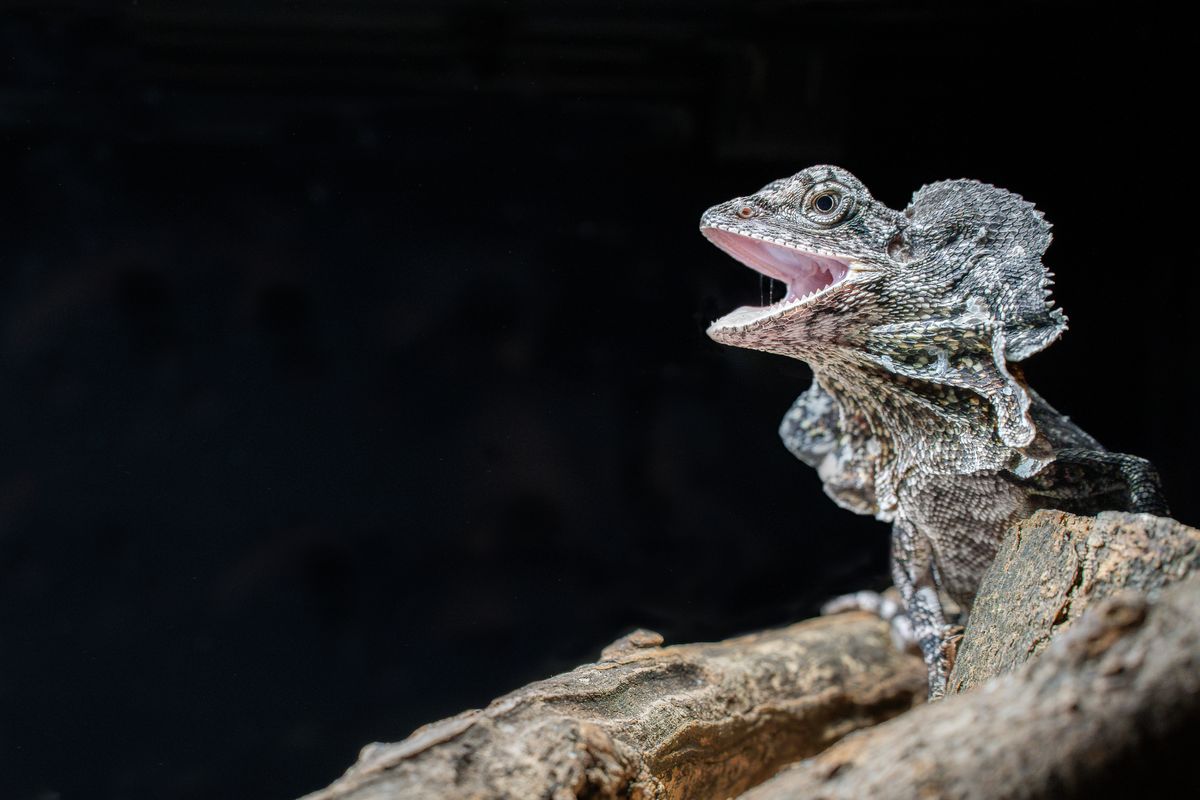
(807, 275)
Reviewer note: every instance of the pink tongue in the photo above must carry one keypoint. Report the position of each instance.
(803, 273)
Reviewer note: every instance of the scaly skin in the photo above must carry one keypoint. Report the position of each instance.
(913, 325)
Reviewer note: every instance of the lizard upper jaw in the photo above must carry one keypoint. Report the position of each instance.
(807, 274)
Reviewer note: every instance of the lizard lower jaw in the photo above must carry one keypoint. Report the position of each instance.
(807, 275)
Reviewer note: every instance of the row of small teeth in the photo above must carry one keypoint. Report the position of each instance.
(815, 292)
(789, 300)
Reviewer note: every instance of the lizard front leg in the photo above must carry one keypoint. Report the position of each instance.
(1136, 476)
(919, 620)
(915, 576)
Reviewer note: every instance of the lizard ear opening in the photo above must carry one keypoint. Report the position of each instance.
(898, 249)
(996, 240)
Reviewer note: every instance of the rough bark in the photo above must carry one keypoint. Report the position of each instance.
(1053, 566)
(1112, 704)
(1111, 708)
(687, 721)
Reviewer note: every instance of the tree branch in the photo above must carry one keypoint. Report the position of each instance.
(1115, 694)
(1109, 709)
(1053, 566)
(687, 721)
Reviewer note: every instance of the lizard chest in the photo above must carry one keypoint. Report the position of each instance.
(964, 518)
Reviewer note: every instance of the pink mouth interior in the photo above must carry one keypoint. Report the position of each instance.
(804, 273)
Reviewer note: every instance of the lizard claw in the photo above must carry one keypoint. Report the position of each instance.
(951, 639)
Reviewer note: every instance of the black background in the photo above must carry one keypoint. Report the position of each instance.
(353, 356)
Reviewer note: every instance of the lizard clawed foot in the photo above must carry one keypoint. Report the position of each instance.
(885, 605)
(951, 639)
(943, 660)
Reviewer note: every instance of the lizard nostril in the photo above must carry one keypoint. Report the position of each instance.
(745, 212)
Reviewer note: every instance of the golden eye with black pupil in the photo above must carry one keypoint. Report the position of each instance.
(825, 202)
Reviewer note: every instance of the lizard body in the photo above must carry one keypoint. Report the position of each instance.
(914, 323)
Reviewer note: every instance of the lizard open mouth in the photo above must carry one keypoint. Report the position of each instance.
(806, 274)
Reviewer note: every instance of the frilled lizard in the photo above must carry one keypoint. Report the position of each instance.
(913, 323)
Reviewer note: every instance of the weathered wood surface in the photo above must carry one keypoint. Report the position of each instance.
(686, 721)
(1114, 693)
(1052, 567)
(1110, 709)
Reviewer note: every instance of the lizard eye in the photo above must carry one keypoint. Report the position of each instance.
(745, 212)
(827, 204)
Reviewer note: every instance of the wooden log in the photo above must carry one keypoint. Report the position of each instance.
(649, 722)
(1113, 695)
(1110, 709)
(1051, 568)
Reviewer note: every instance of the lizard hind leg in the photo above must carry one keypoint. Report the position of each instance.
(886, 605)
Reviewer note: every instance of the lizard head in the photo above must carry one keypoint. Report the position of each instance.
(819, 232)
(941, 296)
(962, 250)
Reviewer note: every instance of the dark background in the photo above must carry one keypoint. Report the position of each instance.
(353, 356)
